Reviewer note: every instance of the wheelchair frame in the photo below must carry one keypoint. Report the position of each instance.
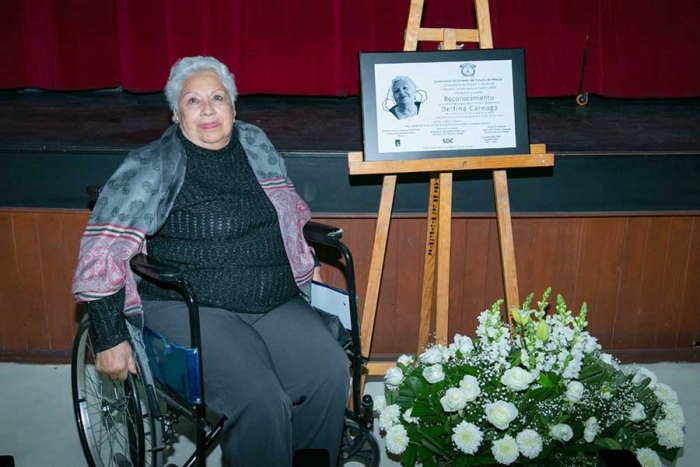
(359, 418)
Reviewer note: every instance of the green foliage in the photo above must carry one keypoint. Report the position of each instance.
(562, 380)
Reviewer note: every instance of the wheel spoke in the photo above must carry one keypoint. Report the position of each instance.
(113, 416)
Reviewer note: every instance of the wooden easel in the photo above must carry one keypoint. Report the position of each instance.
(440, 207)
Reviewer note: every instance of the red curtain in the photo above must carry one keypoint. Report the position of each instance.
(635, 48)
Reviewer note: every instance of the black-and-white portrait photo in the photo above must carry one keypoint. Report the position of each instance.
(405, 97)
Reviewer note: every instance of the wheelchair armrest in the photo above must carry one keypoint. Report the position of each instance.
(325, 234)
(154, 269)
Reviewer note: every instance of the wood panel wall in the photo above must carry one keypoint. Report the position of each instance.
(639, 275)
(38, 253)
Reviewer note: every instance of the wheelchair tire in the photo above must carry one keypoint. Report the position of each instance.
(113, 419)
(358, 446)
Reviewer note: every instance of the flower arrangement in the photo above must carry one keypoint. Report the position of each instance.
(537, 393)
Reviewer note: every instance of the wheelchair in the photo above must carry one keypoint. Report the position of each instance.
(132, 423)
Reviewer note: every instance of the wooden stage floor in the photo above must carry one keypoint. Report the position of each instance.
(112, 120)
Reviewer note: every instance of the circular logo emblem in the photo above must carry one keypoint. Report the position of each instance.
(468, 69)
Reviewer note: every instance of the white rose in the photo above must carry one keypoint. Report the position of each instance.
(433, 374)
(641, 376)
(448, 354)
(453, 400)
(516, 379)
(501, 413)
(405, 360)
(608, 359)
(562, 432)
(432, 355)
(470, 387)
(636, 413)
(393, 376)
(591, 428)
(463, 344)
(574, 391)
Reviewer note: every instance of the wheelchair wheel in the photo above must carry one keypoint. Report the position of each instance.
(359, 446)
(113, 419)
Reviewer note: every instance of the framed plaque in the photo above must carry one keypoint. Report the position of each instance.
(456, 103)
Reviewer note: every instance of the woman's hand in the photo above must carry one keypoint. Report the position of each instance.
(116, 362)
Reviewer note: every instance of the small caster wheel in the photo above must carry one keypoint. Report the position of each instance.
(358, 446)
(582, 99)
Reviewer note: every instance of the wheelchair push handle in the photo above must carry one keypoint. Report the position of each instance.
(93, 191)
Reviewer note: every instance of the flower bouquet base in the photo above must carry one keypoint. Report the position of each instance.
(537, 393)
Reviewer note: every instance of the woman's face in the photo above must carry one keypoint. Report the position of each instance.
(403, 92)
(206, 112)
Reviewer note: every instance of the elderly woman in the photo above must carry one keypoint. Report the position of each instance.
(212, 197)
(404, 91)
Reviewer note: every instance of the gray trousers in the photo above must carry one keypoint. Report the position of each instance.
(280, 378)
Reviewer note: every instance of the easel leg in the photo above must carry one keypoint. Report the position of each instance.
(414, 16)
(431, 236)
(505, 235)
(369, 312)
(443, 269)
(483, 23)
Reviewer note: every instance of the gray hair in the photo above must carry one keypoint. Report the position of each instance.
(186, 67)
(403, 78)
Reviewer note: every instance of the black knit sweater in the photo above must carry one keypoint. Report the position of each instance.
(223, 232)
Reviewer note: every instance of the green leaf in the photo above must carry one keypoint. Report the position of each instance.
(546, 421)
(645, 441)
(433, 431)
(417, 384)
(410, 456)
(540, 394)
(668, 454)
(421, 409)
(608, 443)
(403, 401)
(514, 359)
(431, 443)
(590, 371)
(595, 379)
(580, 447)
(545, 381)
(613, 429)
